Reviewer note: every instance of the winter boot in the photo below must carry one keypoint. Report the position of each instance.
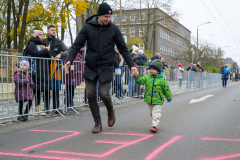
(111, 118)
(38, 109)
(98, 127)
(20, 118)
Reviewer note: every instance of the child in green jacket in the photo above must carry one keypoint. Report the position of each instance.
(156, 87)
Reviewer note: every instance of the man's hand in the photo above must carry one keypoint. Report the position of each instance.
(58, 56)
(67, 65)
(134, 71)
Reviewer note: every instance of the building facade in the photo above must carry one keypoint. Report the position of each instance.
(161, 33)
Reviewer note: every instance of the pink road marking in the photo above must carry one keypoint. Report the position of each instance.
(218, 139)
(36, 156)
(224, 157)
(158, 150)
(125, 144)
(55, 140)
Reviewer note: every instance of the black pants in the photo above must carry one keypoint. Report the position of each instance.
(55, 99)
(46, 98)
(20, 107)
(103, 91)
(69, 92)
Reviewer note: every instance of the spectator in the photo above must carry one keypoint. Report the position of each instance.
(57, 50)
(191, 75)
(198, 75)
(38, 47)
(23, 89)
(118, 64)
(157, 56)
(131, 83)
(140, 58)
(73, 79)
(225, 75)
(180, 72)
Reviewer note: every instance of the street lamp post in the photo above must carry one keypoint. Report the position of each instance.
(192, 54)
(197, 31)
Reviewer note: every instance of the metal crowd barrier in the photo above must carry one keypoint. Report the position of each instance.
(54, 91)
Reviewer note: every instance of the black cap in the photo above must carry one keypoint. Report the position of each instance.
(103, 9)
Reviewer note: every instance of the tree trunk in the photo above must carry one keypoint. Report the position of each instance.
(70, 32)
(15, 26)
(62, 33)
(24, 24)
(8, 24)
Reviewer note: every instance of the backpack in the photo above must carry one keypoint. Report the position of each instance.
(25, 51)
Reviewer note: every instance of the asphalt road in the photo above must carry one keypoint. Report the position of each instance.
(208, 129)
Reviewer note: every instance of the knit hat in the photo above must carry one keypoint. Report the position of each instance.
(134, 48)
(140, 51)
(103, 9)
(36, 33)
(156, 64)
(180, 64)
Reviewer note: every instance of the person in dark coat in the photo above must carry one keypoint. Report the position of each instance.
(23, 89)
(39, 48)
(101, 36)
(157, 56)
(57, 50)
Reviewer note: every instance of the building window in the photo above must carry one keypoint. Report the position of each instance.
(114, 18)
(123, 31)
(141, 16)
(140, 32)
(132, 17)
(132, 32)
(123, 17)
(141, 46)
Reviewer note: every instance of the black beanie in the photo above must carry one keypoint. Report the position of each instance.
(103, 9)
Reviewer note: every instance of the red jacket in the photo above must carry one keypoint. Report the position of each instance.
(75, 71)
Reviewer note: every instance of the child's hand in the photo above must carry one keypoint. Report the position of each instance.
(169, 100)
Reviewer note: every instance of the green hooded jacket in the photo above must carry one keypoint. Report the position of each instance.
(155, 88)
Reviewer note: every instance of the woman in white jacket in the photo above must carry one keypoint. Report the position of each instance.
(180, 71)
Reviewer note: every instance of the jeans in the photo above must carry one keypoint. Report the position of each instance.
(117, 85)
(131, 85)
(224, 81)
(180, 82)
(103, 91)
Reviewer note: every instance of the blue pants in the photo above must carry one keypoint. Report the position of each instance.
(131, 86)
(224, 81)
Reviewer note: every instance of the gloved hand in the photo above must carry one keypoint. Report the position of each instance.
(169, 100)
(32, 85)
(27, 80)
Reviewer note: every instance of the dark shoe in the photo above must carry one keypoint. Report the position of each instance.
(25, 117)
(98, 127)
(111, 118)
(20, 118)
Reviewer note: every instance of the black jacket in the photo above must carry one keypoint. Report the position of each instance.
(40, 78)
(100, 49)
(57, 47)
